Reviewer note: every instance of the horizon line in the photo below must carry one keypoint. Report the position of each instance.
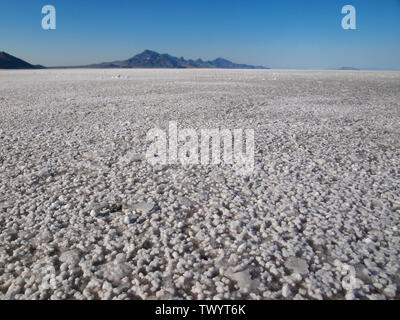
(341, 68)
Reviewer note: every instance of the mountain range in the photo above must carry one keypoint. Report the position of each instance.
(8, 61)
(152, 59)
(146, 59)
(348, 69)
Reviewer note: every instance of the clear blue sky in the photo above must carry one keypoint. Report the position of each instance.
(276, 33)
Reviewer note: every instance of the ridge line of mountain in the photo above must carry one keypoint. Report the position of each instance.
(7, 61)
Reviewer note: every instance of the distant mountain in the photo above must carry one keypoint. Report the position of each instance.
(152, 59)
(348, 68)
(8, 61)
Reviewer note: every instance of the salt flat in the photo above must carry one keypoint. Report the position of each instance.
(83, 215)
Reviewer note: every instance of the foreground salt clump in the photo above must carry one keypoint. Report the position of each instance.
(83, 215)
(297, 265)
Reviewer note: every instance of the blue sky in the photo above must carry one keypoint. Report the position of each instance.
(276, 33)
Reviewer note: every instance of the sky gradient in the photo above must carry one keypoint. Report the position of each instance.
(299, 34)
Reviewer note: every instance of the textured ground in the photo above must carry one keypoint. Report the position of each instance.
(83, 215)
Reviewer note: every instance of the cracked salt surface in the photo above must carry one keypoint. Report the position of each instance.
(84, 216)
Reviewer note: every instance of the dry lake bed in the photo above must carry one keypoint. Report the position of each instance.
(84, 215)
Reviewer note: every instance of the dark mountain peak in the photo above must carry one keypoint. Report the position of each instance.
(145, 53)
(151, 52)
(7, 61)
(349, 68)
(221, 60)
(5, 55)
